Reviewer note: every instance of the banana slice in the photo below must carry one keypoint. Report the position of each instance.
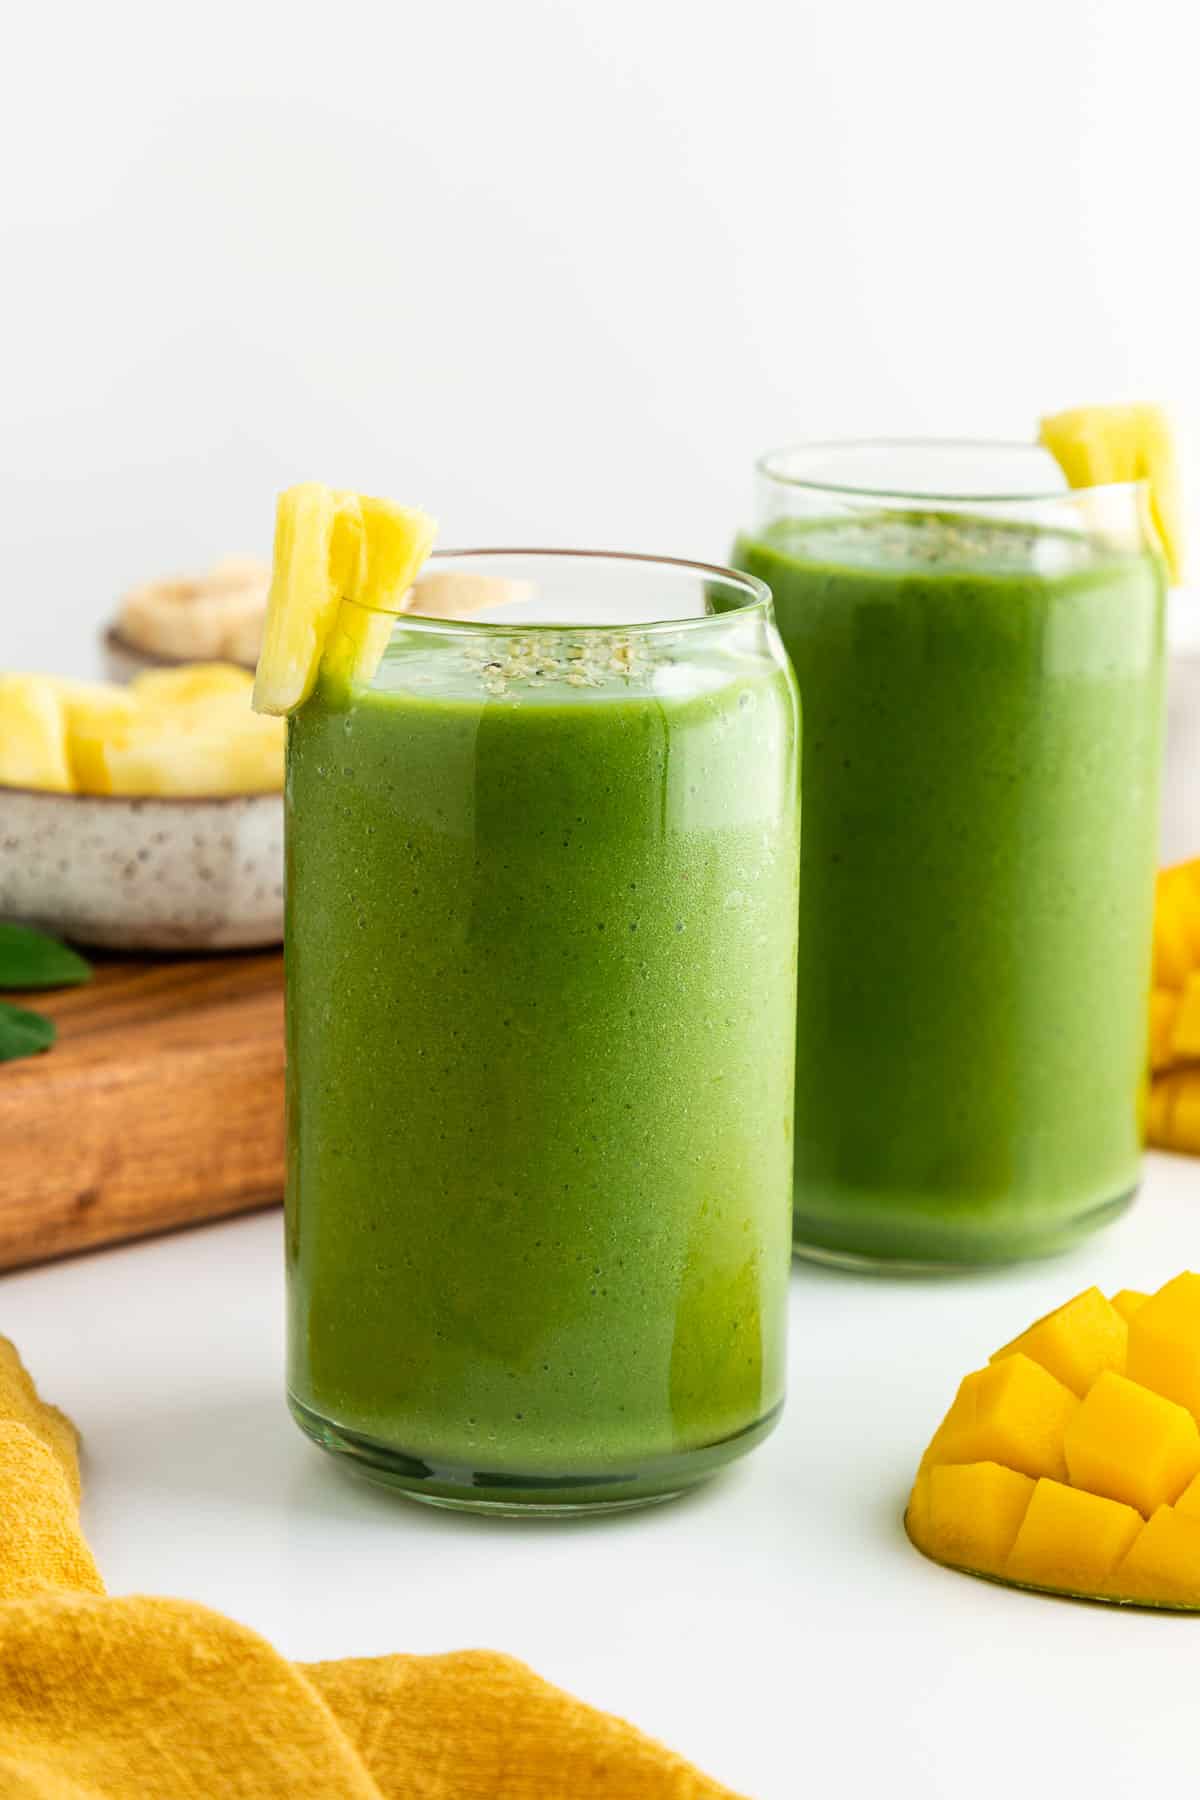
(461, 594)
(201, 618)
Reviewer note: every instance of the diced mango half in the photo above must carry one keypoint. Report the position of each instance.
(1095, 445)
(1070, 1540)
(1120, 1520)
(344, 561)
(1076, 1342)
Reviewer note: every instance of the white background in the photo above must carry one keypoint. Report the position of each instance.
(557, 269)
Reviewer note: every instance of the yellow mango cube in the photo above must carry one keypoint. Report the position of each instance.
(1174, 958)
(1164, 1342)
(1126, 1303)
(1187, 880)
(974, 1514)
(1184, 1039)
(1014, 1413)
(1162, 1566)
(1164, 1010)
(1188, 1502)
(1173, 1111)
(1157, 1113)
(1129, 1444)
(1076, 1342)
(1071, 1540)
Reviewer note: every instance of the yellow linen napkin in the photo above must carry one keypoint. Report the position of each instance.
(135, 1698)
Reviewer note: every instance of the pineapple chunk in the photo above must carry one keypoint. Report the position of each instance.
(1094, 445)
(96, 712)
(242, 756)
(167, 689)
(334, 547)
(33, 734)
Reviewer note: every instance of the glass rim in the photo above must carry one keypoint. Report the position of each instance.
(768, 465)
(756, 600)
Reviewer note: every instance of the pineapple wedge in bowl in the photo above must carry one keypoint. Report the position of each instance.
(147, 817)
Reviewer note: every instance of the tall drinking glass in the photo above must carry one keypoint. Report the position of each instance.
(541, 933)
(980, 660)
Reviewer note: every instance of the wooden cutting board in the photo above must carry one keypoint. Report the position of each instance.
(160, 1105)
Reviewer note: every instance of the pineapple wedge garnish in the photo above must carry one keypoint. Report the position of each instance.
(341, 561)
(1094, 445)
(33, 734)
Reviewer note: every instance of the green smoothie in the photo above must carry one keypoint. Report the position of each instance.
(983, 714)
(541, 921)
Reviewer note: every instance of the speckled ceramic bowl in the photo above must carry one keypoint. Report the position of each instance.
(147, 874)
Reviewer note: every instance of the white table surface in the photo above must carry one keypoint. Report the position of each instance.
(776, 1627)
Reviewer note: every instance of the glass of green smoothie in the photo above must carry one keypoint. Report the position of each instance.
(541, 934)
(980, 660)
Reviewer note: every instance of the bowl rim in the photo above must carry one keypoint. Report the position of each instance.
(144, 799)
(115, 639)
